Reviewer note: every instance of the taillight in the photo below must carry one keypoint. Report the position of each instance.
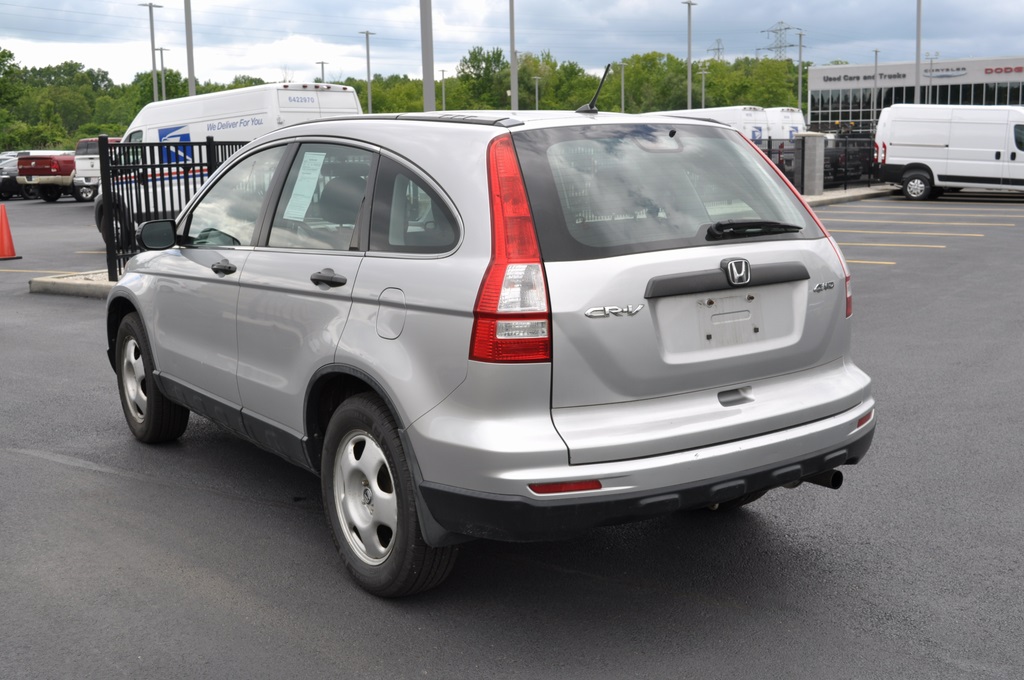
(885, 152)
(511, 320)
(54, 166)
(875, 159)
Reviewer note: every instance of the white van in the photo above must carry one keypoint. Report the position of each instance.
(785, 123)
(239, 115)
(752, 121)
(929, 148)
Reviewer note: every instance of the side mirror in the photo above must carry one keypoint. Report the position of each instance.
(156, 235)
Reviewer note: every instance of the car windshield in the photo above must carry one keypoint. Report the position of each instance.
(605, 190)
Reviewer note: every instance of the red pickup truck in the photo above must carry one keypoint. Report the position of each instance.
(51, 175)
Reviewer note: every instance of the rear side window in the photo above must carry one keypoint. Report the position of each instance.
(599, 191)
(408, 215)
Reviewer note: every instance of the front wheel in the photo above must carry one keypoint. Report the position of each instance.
(917, 185)
(152, 417)
(369, 502)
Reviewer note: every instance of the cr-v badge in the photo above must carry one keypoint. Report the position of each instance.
(604, 312)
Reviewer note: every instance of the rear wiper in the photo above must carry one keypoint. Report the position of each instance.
(746, 228)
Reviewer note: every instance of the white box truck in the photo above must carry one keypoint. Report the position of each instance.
(785, 123)
(927, 148)
(239, 115)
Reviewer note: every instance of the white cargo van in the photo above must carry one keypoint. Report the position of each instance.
(785, 123)
(929, 148)
(752, 121)
(239, 115)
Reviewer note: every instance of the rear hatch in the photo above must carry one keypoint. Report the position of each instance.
(694, 299)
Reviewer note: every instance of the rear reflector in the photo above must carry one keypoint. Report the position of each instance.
(566, 487)
(865, 419)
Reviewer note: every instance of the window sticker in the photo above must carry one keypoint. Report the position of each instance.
(305, 186)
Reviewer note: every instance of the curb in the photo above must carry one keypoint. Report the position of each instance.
(85, 284)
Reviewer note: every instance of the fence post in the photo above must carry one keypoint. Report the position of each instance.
(107, 223)
(814, 163)
(212, 161)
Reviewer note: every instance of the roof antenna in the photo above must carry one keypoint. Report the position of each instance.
(592, 106)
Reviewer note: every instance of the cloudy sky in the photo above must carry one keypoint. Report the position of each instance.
(264, 39)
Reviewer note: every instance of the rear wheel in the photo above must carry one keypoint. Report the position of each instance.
(29, 192)
(369, 503)
(84, 193)
(917, 185)
(151, 416)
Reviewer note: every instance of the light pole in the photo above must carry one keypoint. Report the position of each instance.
(443, 103)
(874, 94)
(622, 86)
(322, 78)
(689, 49)
(536, 93)
(152, 42)
(188, 49)
(800, 78)
(163, 74)
(513, 61)
(917, 59)
(931, 67)
(703, 72)
(369, 82)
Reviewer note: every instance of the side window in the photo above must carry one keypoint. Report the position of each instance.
(408, 216)
(322, 197)
(1018, 136)
(227, 214)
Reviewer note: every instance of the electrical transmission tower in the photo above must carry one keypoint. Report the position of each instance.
(780, 43)
(717, 50)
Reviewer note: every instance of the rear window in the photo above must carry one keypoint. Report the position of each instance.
(88, 147)
(605, 190)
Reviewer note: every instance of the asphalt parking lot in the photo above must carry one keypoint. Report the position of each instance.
(210, 558)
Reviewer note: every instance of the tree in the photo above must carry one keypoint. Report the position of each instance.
(486, 76)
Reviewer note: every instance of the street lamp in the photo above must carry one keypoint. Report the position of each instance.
(369, 82)
(163, 74)
(443, 106)
(689, 48)
(322, 78)
(931, 67)
(874, 94)
(152, 42)
(513, 60)
(703, 72)
(536, 92)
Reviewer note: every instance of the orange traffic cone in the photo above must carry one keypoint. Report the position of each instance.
(6, 242)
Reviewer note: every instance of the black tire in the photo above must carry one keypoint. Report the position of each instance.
(151, 416)
(369, 502)
(735, 503)
(917, 185)
(29, 192)
(84, 193)
(50, 193)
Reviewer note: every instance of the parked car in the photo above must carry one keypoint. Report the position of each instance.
(86, 181)
(501, 325)
(48, 174)
(9, 178)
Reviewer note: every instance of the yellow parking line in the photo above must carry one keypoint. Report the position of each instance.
(900, 233)
(931, 224)
(890, 245)
(868, 262)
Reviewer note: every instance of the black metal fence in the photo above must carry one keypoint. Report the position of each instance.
(143, 181)
(849, 160)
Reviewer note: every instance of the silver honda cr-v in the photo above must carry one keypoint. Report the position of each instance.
(511, 326)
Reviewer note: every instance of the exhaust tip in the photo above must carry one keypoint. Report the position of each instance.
(831, 479)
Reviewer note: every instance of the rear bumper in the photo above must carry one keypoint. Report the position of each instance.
(522, 518)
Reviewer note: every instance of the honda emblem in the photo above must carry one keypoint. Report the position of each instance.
(738, 272)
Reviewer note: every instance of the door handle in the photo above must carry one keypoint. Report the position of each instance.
(328, 278)
(1013, 155)
(223, 267)
(999, 155)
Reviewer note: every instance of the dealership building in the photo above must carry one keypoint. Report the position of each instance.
(849, 97)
